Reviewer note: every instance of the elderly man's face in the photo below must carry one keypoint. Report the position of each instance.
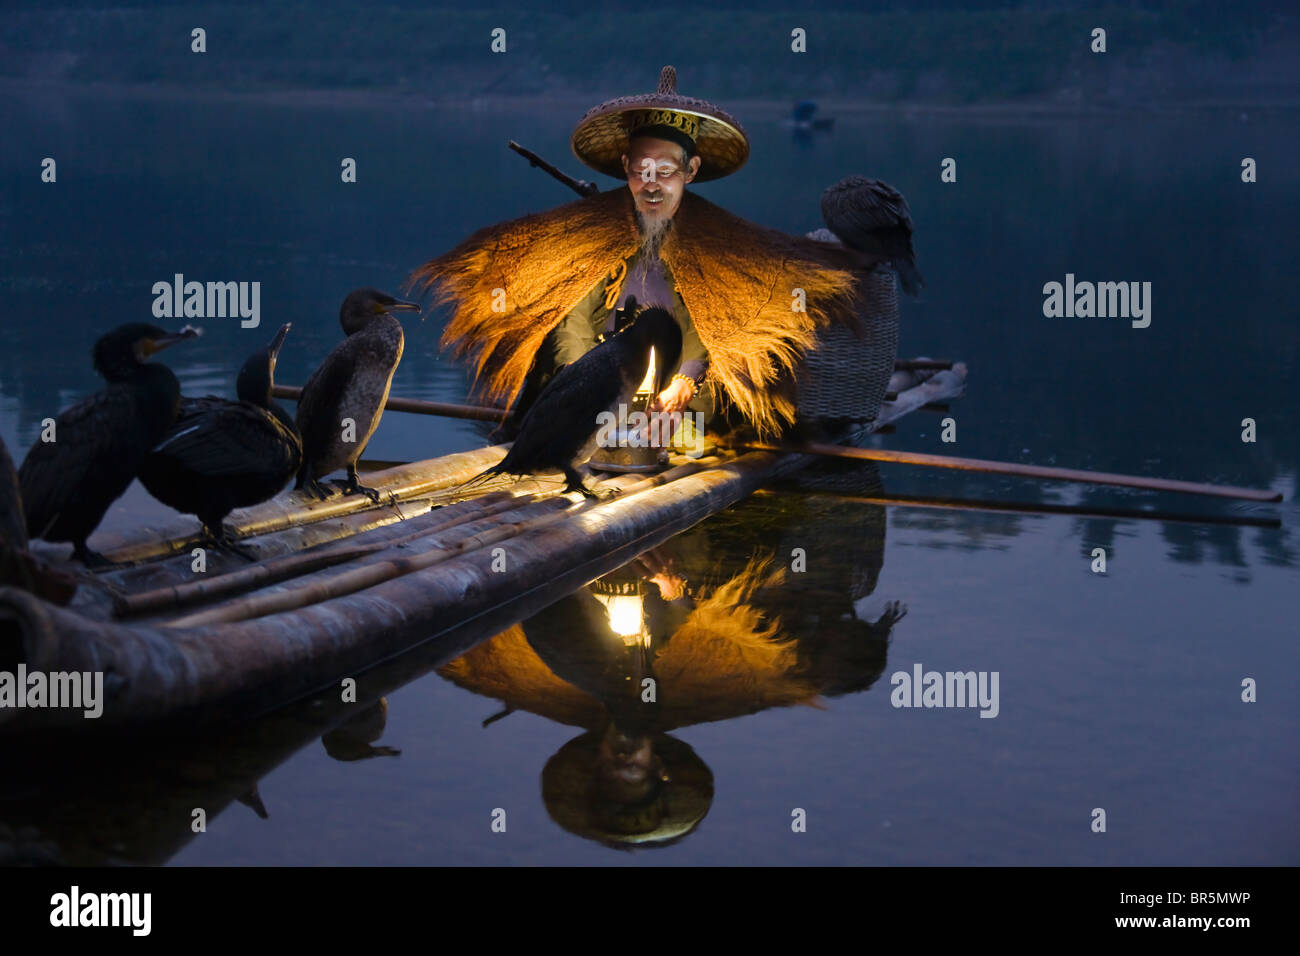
(657, 175)
(627, 767)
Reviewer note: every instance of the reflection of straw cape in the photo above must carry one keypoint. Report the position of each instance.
(737, 279)
(726, 660)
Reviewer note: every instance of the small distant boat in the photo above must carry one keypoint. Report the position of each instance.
(804, 119)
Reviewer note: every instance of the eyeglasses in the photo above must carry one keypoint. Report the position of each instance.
(650, 172)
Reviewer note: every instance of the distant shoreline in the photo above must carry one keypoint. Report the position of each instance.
(757, 108)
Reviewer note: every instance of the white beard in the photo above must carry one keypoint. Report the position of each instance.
(652, 232)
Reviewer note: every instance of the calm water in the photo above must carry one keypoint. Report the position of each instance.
(1118, 691)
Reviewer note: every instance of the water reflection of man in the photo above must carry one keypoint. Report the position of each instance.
(625, 783)
(717, 643)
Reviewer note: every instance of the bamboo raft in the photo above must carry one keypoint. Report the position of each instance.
(345, 584)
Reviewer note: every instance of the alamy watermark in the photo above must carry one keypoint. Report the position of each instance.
(1086, 300)
(77, 690)
(212, 300)
(646, 430)
(947, 689)
(129, 910)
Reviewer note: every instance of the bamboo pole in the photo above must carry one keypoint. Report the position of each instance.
(917, 365)
(180, 534)
(173, 568)
(291, 565)
(177, 569)
(947, 384)
(489, 413)
(462, 539)
(931, 407)
(171, 582)
(482, 413)
(1037, 507)
(1024, 471)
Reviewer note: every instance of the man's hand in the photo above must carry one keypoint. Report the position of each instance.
(672, 587)
(674, 398)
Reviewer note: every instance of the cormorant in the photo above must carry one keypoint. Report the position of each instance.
(873, 217)
(18, 566)
(13, 526)
(99, 443)
(352, 383)
(559, 430)
(221, 455)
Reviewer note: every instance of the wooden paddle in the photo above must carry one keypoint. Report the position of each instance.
(1023, 471)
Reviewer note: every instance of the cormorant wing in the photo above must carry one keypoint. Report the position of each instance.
(87, 447)
(873, 217)
(857, 206)
(231, 438)
(318, 419)
(565, 414)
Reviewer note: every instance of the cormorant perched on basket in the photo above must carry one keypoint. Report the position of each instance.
(100, 442)
(871, 216)
(559, 430)
(221, 455)
(352, 383)
(19, 567)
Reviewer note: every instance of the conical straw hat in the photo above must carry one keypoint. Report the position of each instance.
(601, 137)
(567, 791)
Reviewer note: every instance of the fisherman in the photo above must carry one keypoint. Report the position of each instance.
(747, 298)
(660, 161)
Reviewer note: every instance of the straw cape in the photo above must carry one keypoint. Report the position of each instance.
(737, 279)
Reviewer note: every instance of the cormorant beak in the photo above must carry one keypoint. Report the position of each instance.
(253, 799)
(147, 347)
(278, 341)
(398, 305)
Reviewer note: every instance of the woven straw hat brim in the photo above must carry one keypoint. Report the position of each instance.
(567, 777)
(600, 139)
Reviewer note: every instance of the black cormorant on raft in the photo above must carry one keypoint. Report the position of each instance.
(222, 455)
(559, 431)
(18, 566)
(872, 217)
(342, 402)
(99, 443)
(13, 525)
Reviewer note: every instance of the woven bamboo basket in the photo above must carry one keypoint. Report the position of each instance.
(843, 378)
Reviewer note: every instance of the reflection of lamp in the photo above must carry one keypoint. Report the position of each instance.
(624, 604)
